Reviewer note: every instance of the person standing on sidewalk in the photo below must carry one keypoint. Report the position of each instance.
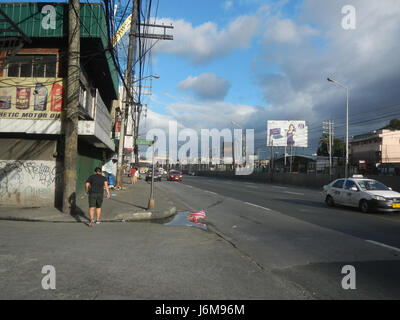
(95, 186)
(136, 176)
(132, 173)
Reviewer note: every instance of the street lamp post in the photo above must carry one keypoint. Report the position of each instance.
(347, 124)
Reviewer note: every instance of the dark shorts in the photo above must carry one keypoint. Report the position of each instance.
(95, 200)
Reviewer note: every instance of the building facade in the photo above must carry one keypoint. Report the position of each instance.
(32, 83)
(376, 152)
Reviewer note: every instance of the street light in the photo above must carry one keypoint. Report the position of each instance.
(153, 76)
(347, 123)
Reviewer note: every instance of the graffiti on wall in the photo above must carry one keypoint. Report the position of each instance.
(25, 182)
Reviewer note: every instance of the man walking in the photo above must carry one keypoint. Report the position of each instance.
(94, 186)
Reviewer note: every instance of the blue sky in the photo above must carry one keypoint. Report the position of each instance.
(250, 61)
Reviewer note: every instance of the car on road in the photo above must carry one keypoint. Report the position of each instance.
(175, 175)
(366, 194)
(157, 175)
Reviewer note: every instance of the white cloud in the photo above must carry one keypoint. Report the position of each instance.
(206, 86)
(227, 5)
(205, 42)
(287, 31)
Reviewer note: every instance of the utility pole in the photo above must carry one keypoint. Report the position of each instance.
(70, 119)
(328, 125)
(125, 100)
(139, 106)
(151, 200)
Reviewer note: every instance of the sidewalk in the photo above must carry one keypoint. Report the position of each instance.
(123, 205)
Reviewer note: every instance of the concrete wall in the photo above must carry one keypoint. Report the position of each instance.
(27, 183)
(29, 172)
(297, 179)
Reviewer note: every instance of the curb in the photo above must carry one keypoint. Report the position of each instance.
(122, 217)
(145, 215)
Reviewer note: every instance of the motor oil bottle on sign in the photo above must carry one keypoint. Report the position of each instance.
(40, 97)
(23, 98)
(5, 98)
(56, 98)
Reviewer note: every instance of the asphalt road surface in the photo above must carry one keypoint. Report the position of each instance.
(263, 242)
(290, 232)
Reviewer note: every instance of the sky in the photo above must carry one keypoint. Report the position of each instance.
(250, 61)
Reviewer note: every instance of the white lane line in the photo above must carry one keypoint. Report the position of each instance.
(384, 245)
(296, 193)
(211, 192)
(257, 206)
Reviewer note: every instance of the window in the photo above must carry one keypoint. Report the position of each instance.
(338, 184)
(372, 185)
(33, 65)
(349, 184)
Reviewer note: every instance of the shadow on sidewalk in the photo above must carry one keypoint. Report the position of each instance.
(79, 215)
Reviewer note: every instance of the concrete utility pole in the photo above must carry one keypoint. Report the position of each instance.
(125, 102)
(70, 119)
(328, 125)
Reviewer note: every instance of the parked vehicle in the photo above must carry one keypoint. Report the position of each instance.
(366, 194)
(175, 175)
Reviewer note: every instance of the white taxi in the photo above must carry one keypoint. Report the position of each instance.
(366, 194)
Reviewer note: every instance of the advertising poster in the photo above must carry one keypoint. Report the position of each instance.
(287, 133)
(31, 98)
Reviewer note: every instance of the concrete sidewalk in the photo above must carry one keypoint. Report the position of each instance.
(124, 205)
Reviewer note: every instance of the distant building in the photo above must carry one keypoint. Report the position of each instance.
(32, 97)
(305, 164)
(376, 151)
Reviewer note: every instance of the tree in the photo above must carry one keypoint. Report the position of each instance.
(394, 124)
(338, 147)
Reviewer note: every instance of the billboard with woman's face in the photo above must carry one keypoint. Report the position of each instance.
(287, 133)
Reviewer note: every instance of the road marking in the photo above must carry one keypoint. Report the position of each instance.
(211, 192)
(279, 187)
(300, 194)
(383, 245)
(257, 206)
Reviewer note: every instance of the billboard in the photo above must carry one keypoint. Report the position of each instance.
(287, 133)
(31, 98)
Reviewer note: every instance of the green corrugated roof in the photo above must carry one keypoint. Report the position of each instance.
(30, 19)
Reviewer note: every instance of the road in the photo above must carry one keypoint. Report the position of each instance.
(263, 241)
(290, 232)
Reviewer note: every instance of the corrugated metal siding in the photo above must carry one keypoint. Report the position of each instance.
(29, 18)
